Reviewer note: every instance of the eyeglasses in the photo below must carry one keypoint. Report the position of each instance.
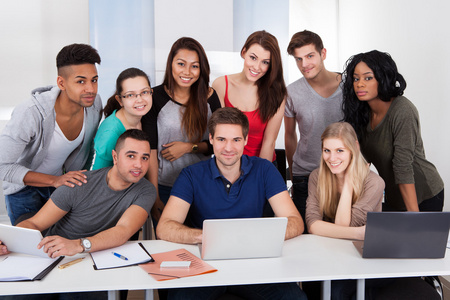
(143, 94)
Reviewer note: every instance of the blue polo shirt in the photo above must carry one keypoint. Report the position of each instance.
(202, 186)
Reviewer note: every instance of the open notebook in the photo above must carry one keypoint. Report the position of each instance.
(25, 267)
(19, 267)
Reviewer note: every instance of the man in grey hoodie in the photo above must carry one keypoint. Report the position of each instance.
(49, 140)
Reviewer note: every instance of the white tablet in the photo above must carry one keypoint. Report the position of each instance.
(22, 240)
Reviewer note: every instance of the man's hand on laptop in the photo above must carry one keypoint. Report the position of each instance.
(56, 246)
(3, 249)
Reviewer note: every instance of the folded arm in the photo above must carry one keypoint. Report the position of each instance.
(175, 150)
(344, 210)
(328, 229)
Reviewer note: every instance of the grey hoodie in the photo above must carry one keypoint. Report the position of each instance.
(25, 140)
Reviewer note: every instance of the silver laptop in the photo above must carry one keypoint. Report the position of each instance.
(243, 238)
(22, 240)
(405, 235)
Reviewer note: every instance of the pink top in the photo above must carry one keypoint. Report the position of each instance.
(256, 130)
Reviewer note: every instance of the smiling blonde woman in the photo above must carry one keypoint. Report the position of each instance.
(343, 189)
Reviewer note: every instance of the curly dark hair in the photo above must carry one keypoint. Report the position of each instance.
(390, 84)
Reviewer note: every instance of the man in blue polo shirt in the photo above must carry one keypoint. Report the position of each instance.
(229, 185)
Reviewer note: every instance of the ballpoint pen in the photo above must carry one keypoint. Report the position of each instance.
(119, 255)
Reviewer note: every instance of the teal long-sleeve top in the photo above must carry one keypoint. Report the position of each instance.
(105, 141)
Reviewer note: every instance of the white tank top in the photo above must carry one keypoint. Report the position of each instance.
(58, 151)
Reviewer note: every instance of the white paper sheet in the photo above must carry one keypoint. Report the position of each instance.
(133, 251)
(15, 268)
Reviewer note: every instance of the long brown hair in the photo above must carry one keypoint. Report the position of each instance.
(271, 87)
(327, 188)
(195, 116)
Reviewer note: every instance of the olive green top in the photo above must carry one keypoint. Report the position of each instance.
(395, 148)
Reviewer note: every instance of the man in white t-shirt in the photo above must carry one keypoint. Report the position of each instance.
(49, 140)
(313, 102)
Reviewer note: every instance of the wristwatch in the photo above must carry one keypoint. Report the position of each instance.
(194, 148)
(86, 244)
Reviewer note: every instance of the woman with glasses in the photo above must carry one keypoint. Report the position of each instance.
(123, 111)
(177, 122)
(258, 91)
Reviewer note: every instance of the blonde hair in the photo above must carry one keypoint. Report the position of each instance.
(327, 187)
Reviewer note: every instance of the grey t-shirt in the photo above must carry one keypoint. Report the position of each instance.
(313, 114)
(169, 130)
(94, 207)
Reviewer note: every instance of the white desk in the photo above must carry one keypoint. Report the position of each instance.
(305, 258)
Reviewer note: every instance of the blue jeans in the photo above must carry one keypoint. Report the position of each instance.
(28, 200)
(278, 291)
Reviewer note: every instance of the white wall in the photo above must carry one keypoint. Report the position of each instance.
(320, 17)
(32, 32)
(209, 22)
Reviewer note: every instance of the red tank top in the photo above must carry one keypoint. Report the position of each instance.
(256, 130)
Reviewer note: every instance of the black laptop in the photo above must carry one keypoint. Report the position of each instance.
(405, 235)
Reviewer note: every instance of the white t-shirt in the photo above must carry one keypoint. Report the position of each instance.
(59, 149)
